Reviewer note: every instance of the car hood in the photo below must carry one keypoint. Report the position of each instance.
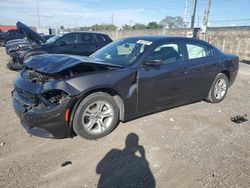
(29, 33)
(56, 63)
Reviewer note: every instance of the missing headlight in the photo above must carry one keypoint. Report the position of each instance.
(54, 97)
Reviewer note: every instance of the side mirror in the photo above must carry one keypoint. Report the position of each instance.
(61, 43)
(153, 62)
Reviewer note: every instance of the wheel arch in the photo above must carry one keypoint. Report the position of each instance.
(117, 98)
(227, 73)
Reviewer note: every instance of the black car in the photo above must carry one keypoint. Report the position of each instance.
(75, 43)
(57, 95)
(10, 35)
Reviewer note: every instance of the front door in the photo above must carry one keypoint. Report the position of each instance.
(163, 85)
(67, 44)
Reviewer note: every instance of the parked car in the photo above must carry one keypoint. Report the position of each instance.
(13, 45)
(2, 36)
(56, 95)
(10, 35)
(1, 39)
(76, 43)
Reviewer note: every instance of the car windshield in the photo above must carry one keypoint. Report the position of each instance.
(52, 39)
(123, 52)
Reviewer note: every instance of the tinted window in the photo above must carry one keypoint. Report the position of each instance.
(198, 51)
(86, 38)
(69, 39)
(168, 53)
(100, 38)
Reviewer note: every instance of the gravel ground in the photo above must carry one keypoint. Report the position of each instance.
(196, 145)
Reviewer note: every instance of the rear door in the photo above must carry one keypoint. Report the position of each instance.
(86, 45)
(202, 68)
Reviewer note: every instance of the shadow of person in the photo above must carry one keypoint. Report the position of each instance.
(125, 168)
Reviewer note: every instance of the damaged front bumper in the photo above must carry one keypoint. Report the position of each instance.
(40, 118)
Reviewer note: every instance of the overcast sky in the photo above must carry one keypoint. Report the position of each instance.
(70, 13)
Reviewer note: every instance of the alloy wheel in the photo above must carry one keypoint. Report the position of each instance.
(220, 88)
(97, 117)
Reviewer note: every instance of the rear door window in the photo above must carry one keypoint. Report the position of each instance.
(196, 51)
(86, 38)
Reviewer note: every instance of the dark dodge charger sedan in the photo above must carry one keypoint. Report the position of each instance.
(58, 95)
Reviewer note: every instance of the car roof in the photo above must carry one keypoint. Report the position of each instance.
(156, 38)
(159, 38)
(87, 32)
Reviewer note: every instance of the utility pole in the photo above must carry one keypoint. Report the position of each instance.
(198, 20)
(112, 19)
(76, 25)
(205, 19)
(193, 14)
(186, 12)
(38, 15)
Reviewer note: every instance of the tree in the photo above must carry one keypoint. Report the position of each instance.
(173, 22)
(84, 28)
(103, 27)
(154, 25)
(126, 27)
(139, 26)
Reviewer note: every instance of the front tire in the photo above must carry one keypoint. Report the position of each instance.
(219, 89)
(96, 116)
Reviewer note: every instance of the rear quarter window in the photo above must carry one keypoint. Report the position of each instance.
(100, 38)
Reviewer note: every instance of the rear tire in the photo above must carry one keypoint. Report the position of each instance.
(96, 116)
(219, 89)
